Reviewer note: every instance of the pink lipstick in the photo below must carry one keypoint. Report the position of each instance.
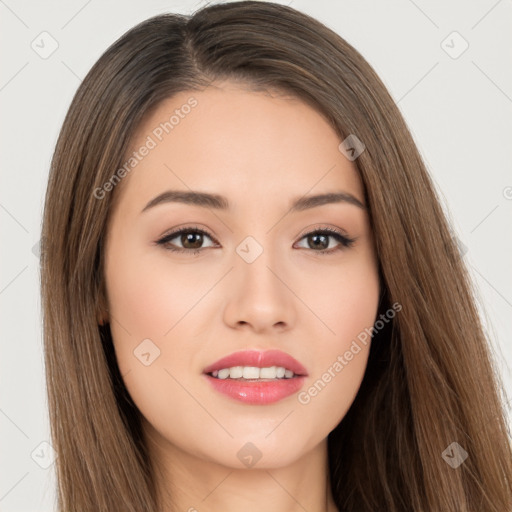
(255, 377)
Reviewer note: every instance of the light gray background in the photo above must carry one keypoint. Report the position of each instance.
(459, 110)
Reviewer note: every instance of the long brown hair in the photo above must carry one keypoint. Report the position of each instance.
(430, 379)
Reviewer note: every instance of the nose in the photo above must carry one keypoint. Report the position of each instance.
(259, 296)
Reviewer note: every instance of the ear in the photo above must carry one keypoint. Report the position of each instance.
(102, 315)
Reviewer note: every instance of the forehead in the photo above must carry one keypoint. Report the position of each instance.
(239, 142)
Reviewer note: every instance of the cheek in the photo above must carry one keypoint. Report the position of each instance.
(147, 301)
(151, 309)
(343, 297)
(347, 307)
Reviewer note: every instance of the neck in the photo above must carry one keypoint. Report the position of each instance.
(187, 482)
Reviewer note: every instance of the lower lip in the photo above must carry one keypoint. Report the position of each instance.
(257, 393)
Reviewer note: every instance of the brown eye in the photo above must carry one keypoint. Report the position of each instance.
(319, 241)
(190, 239)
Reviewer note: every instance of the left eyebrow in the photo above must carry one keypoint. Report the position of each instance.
(218, 202)
(307, 202)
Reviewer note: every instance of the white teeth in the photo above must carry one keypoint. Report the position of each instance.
(253, 372)
(250, 372)
(236, 372)
(223, 374)
(268, 373)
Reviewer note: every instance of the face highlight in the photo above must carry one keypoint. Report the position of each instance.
(215, 247)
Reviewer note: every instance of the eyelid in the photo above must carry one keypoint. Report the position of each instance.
(343, 239)
(313, 228)
(177, 231)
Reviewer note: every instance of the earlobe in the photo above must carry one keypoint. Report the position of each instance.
(102, 316)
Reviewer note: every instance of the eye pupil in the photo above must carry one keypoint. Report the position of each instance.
(325, 241)
(189, 237)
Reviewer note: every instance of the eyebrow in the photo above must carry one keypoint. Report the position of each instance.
(219, 202)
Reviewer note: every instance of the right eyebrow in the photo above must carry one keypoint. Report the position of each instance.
(194, 198)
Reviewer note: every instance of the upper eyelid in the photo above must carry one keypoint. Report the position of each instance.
(173, 234)
(330, 232)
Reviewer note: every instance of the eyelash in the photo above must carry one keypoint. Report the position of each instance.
(345, 242)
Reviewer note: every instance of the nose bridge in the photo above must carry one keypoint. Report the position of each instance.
(258, 295)
(255, 259)
(256, 264)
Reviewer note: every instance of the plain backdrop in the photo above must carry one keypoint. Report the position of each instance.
(446, 64)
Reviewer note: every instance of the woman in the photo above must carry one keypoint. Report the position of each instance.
(245, 370)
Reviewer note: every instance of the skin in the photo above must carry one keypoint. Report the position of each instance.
(260, 151)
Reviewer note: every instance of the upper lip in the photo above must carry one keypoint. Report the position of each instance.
(260, 359)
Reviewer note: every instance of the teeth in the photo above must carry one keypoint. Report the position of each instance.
(223, 374)
(267, 373)
(236, 372)
(253, 372)
(250, 372)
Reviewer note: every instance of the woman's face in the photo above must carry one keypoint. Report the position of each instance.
(251, 276)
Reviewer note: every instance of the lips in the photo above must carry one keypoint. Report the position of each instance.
(257, 391)
(259, 359)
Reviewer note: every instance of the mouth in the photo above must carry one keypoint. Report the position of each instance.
(255, 377)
